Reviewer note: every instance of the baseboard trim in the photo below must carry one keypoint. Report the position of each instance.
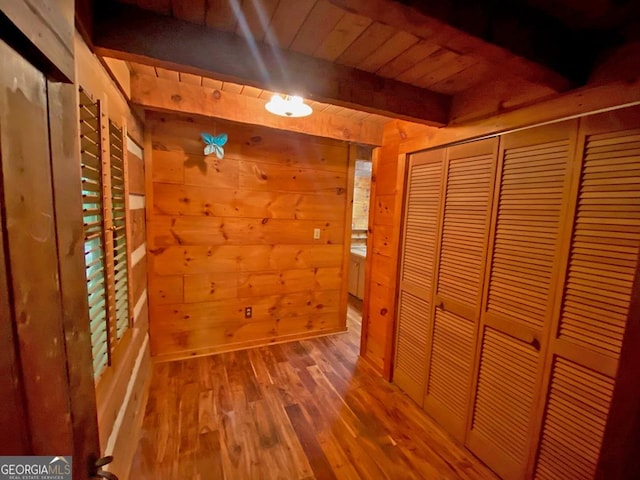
(245, 345)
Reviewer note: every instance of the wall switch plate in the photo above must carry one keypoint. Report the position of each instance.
(248, 311)
(316, 233)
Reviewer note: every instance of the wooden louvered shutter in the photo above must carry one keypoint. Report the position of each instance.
(469, 179)
(119, 229)
(529, 211)
(94, 242)
(417, 268)
(592, 311)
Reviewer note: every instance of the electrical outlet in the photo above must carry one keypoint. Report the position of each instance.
(316, 233)
(248, 311)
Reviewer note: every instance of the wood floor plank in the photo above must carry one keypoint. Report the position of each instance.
(300, 410)
(319, 463)
(208, 457)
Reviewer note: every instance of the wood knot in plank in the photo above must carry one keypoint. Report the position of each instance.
(259, 173)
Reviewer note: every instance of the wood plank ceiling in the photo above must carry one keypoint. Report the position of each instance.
(402, 59)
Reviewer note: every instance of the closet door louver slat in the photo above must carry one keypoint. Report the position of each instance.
(526, 231)
(593, 310)
(421, 224)
(450, 366)
(604, 247)
(578, 405)
(521, 272)
(417, 265)
(505, 395)
(464, 231)
(411, 347)
(470, 171)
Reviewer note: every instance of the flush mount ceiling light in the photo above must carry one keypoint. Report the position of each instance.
(289, 106)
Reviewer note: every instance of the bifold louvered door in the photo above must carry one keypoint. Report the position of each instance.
(420, 238)
(591, 313)
(455, 311)
(521, 275)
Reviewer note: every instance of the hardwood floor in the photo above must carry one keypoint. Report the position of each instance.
(300, 410)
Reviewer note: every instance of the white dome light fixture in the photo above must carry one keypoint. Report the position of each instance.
(289, 106)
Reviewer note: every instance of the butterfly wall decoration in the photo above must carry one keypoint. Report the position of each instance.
(214, 144)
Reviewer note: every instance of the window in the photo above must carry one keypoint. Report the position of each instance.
(105, 239)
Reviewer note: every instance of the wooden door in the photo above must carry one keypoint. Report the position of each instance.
(419, 244)
(521, 277)
(43, 304)
(592, 310)
(455, 311)
(12, 414)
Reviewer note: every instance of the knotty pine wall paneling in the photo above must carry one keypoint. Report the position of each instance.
(238, 232)
(378, 312)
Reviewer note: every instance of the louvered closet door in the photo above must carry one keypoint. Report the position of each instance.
(591, 315)
(421, 218)
(529, 212)
(470, 171)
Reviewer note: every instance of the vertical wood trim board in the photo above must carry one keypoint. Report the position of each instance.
(368, 291)
(31, 250)
(13, 418)
(123, 438)
(346, 240)
(393, 239)
(379, 311)
(226, 234)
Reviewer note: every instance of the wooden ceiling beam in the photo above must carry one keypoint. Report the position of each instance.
(170, 96)
(509, 35)
(129, 33)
